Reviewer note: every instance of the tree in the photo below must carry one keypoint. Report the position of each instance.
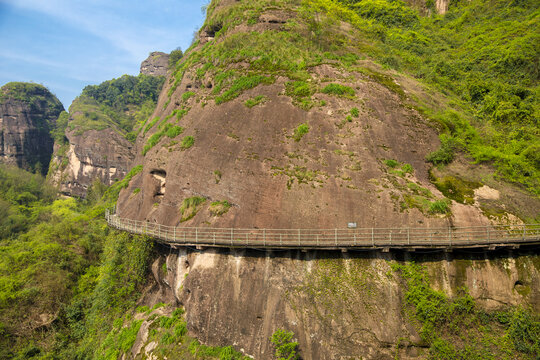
(286, 349)
(174, 56)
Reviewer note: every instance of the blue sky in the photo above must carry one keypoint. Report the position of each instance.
(68, 44)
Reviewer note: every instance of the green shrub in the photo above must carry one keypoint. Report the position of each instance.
(286, 349)
(337, 89)
(300, 131)
(218, 208)
(355, 112)
(187, 95)
(174, 56)
(254, 101)
(407, 168)
(445, 154)
(524, 331)
(151, 124)
(391, 163)
(241, 84)
(174, 131)
(439, 207)
(187, 142)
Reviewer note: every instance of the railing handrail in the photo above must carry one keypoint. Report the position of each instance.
(337, 237)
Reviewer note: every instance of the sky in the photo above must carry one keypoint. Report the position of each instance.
(68, 44)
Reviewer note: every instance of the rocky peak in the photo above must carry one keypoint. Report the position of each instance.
(156, 64)
(28, 113)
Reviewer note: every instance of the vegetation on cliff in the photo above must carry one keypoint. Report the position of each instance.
(482, 56)
(458, 329)
(64, 274)
(69, 282)
(35, 95)
(123, 104)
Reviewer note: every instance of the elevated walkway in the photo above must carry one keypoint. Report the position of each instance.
(490, 237)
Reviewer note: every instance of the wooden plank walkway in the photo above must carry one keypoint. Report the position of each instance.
(489, 237)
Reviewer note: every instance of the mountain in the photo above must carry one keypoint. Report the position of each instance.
(292, 114)
(284, 113)
(28, 114)
(315, 114)
(99, 131)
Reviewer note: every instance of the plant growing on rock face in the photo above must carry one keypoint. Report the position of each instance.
(286, 349)
(187, 142)
(190, 207)
(439, 207)
(337, 89)
(218, 208)
(300, 131)
(254, 101)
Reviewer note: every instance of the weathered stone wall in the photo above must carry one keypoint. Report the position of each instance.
(103, 155)
(28, 113)
(156, 64)
(339, 305)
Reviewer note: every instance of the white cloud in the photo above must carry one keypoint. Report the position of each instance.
(103, 20)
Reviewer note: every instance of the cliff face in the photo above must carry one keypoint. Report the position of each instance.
(156, 64)
(350, 305)
(275, 118)
(99, 133)
(28, 113)
(103, 155)
(331, 141)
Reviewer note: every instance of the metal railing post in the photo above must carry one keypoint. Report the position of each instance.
(524, 229)
(196, 236)
(372, 237)
(335, 234)
(408, 237)
(299, 242)
(232, 236)
(264, 237)
(450, 236)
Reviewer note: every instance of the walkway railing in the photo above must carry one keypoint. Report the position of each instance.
(331, 238)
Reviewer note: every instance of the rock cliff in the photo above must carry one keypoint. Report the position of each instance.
(275, 118)
(156, 64)
(99, 133)
(351, 305)
(257, 116)
(103, 155)
(28, 113)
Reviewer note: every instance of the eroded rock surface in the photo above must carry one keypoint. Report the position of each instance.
(103, 155)
(156, 64)
(28, 113)
(338, 305)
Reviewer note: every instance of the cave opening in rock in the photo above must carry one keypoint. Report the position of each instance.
(160, 175)
(211, 30)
